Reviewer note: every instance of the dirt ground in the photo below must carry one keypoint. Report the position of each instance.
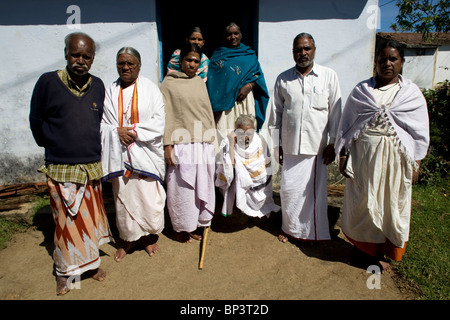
(243, 261)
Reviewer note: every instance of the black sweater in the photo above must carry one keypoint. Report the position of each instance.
(67, 126)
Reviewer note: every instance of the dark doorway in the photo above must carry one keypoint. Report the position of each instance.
(175, 18)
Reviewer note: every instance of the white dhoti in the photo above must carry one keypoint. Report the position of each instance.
(139, 205)
(303, 193)
(190, 187)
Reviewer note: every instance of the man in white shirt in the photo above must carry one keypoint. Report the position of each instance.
(306, 108)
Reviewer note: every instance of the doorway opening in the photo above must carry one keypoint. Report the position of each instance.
(176, 18)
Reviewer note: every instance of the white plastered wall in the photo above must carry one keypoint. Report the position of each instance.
(31, 50)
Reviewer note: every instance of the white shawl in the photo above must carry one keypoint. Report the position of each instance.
(146, 155)
(407, 115)
(250, 183)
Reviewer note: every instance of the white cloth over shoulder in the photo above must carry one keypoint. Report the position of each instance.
(382, 138)
(250, 184)
(139, 197)
(408, 116)
(146, 155)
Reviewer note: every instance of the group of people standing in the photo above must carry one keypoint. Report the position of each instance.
(172, 146)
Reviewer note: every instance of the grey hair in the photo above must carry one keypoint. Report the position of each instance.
(231, 25)
(130, 51)
(245, 120)
(304, 35)
(78, 35)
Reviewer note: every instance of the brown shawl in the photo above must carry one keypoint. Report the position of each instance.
(189, 116)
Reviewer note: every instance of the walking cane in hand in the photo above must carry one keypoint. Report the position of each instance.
(202, 253)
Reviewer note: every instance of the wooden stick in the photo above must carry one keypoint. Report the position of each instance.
(202, 254)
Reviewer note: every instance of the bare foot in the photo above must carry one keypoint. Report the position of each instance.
(195, 236)
(152, 249)
(183, 236)
(283, 238)
(99, 274)
(122, 252)
(150, 244)
(61, 286)
(385, 266)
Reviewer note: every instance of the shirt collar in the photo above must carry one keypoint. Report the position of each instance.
(314, 71)
(65, 77)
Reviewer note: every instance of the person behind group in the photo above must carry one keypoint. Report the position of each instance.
(236, 83)
(194, 36)
(133, 154)
(305, 116)
(65, 113)
(188, 147)
(244, 175)
(383, 135)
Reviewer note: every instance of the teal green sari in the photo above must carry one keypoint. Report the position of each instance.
(229, 70)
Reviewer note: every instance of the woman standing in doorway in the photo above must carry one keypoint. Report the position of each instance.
(236, 83)
(194, 36)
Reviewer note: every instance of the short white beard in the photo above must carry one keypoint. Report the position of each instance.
(305, 64)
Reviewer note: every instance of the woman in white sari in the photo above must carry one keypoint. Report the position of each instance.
(383, 135)
(132, 130)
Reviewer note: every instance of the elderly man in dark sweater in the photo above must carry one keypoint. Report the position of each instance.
(65, 114)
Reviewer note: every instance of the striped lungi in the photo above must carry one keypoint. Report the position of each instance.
(78, 237)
